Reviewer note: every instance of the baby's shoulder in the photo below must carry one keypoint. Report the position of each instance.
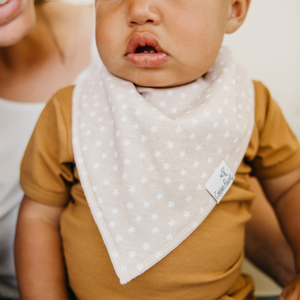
(262, 94)
(60, 105)
(63, 97)
(56, 118)
(264, 104)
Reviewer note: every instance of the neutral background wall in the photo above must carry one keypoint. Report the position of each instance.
(268, 46)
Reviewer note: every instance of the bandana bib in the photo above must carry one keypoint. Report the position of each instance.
(153, 163)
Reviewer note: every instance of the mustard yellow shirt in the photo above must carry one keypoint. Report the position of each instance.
(207, 265)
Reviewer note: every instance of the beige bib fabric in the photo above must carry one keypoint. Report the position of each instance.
(144, 156)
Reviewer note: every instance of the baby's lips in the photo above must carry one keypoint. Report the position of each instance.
(147, 59)
(142, 39)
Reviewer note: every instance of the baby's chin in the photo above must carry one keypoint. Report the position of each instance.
(157, 79)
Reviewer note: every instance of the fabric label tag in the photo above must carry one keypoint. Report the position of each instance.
(220, 182)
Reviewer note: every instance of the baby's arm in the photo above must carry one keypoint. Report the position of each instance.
(284, 195)
(265, 244)
(38, 252)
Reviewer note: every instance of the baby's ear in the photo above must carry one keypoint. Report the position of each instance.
(237, 14)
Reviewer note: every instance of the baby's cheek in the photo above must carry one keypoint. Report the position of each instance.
(104, 37)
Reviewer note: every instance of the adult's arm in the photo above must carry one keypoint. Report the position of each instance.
(38, 252)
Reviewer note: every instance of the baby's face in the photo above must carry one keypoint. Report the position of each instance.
(160, 43)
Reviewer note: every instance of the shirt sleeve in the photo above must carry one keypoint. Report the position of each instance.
(48, 162)
(273, 150)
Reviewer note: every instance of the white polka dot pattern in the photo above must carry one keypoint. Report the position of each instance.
(144, 156)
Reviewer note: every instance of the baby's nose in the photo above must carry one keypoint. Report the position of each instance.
(141, 12)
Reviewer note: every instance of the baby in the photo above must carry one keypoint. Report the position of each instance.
(136, 179)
